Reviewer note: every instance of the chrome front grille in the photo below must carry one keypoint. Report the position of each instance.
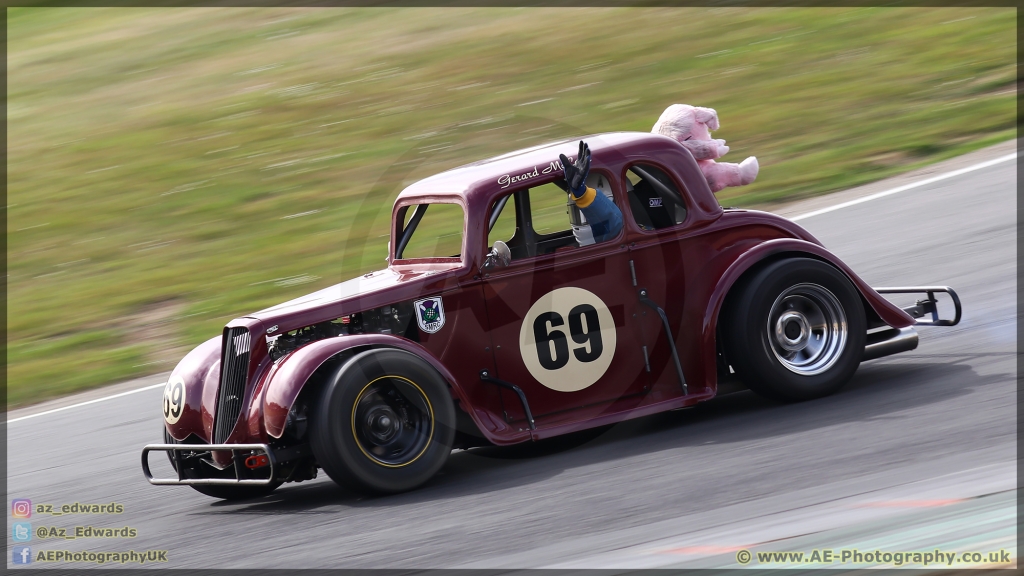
(234, 367)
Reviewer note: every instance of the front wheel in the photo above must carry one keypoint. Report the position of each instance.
(385, 423)
(795, 330)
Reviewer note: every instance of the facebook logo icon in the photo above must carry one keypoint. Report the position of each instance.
(21, 555)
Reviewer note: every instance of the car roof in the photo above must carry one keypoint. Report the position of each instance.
(481, 178)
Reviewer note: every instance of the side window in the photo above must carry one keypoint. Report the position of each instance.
(654, 199)
(538, 220)
(552, 220)
(550, 213)
(430, 231)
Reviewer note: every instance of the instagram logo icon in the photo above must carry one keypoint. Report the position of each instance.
(21, 508)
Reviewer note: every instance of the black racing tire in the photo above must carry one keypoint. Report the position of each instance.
(795, 330)
(384, 423)
(221, 492)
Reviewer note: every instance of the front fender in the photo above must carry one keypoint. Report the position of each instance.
(287, 378)
(887, 311)
(199, 371)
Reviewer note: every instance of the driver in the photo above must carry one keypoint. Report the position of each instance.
(593, 214)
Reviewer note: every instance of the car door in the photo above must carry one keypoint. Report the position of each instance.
(563, 318)
(665, 260)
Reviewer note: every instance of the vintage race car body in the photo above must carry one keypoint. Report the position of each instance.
(253, 384)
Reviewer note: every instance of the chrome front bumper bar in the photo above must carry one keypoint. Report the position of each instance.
(239, 453)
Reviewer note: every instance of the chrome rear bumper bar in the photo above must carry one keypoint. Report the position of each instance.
(928, 305)
(895, 340)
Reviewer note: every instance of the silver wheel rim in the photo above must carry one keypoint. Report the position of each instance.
(807, 329)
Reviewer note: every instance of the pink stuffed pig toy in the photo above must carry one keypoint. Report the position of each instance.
(692, 126)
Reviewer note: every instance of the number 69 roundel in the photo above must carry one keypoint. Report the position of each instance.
(174, 399)
(567, 339)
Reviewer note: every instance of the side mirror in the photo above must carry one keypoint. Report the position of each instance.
(499, 255)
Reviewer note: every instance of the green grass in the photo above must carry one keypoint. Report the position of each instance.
(155, 155)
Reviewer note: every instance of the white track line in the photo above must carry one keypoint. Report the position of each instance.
(917, 184)
(868, 198)
(143, 389)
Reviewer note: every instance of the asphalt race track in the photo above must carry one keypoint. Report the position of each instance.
(918, 452)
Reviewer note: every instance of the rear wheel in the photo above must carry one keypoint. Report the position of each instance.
(795, 330)
(203, 470)
(385, 423)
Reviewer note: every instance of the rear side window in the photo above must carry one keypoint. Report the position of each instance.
(654, 199)
(430, 231)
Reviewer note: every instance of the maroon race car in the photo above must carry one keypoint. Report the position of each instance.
(493, 323)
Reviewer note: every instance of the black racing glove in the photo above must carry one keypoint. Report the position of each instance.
(576, 173)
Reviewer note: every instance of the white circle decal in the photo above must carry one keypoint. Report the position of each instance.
(174, 399)
(567, 339)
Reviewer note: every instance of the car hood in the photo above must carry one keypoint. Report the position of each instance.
(364, 292)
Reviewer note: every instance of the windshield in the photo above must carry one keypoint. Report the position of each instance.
(430, 231)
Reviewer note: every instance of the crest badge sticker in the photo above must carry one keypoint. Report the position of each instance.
(429, 314)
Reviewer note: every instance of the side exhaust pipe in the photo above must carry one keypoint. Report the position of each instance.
(889, 342)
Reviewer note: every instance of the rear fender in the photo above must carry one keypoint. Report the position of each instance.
(289, 376)
(889, 313)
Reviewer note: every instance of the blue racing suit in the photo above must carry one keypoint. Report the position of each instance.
(602, 214)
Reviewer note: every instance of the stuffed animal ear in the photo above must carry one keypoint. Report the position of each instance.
(707, 116)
